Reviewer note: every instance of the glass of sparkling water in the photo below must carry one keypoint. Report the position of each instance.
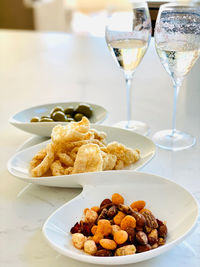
(177, 41)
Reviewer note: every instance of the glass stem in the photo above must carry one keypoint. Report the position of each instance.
(177, 86)
(128, 78)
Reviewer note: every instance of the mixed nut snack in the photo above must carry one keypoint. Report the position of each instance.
(68, 114)
(76, 148)
(115, 229)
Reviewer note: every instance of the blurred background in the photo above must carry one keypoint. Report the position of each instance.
(77, 16)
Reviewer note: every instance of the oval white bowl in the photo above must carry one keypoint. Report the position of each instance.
(167, 200)
(18, 164)
(21, 119)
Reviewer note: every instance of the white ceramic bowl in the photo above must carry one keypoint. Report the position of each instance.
(167, 200)
(21, 119)
(19, 163)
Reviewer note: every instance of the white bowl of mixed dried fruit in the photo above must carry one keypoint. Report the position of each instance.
(122, 217)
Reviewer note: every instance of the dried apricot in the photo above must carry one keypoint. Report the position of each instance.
(118, 218)
(108, 244)
(128, 221)
(104, 227)
(139, 204)
(117, 199)
(120, 237)
(94, 229)
(97, 237)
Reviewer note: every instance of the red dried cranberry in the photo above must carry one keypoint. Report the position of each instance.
(76, 228)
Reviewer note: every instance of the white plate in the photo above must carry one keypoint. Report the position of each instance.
(21, 119)
(167, 200)
(18, 164)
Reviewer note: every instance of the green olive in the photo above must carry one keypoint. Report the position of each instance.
(84, 109)
(35, 119)
(56, 109)
(70, 119)
(58, 116)
(46, 120)
(68, 116)
(69, 110)
(78, 117)
(45, 117)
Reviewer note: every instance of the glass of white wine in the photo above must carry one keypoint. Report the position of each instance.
(177, 40)
(128, 33)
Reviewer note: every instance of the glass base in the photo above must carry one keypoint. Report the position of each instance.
(135, 126)
(175, 142)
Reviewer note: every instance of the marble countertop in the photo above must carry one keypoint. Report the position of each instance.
(38, 68)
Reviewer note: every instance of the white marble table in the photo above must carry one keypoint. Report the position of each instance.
(39, 68)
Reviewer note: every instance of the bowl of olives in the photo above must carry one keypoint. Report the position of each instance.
(40, 120)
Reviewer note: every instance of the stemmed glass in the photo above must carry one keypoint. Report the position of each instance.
(177, 40)
(128, 33)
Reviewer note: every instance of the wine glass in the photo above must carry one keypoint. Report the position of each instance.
(177, 40)
(128, 33)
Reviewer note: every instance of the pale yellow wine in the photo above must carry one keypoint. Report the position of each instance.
(128, 52)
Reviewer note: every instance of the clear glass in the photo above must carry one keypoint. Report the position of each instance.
(128, 33)
(177, 40)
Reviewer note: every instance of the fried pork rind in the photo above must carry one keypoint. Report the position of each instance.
(74, 131)
(127, 155)
(109, 161)
(57, 169)
(88, 159)
(75, 148)
(65, 159)
(45, 163)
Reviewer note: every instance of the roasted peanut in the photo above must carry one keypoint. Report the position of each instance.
(139, 204)
(78, 240)
(118, 218)
(117, 199)
(120, 237)
(153, 237)
(90, 247)
(128, 221)
(143, 248)
(141, 238)
(125, 250)
(108, 244)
